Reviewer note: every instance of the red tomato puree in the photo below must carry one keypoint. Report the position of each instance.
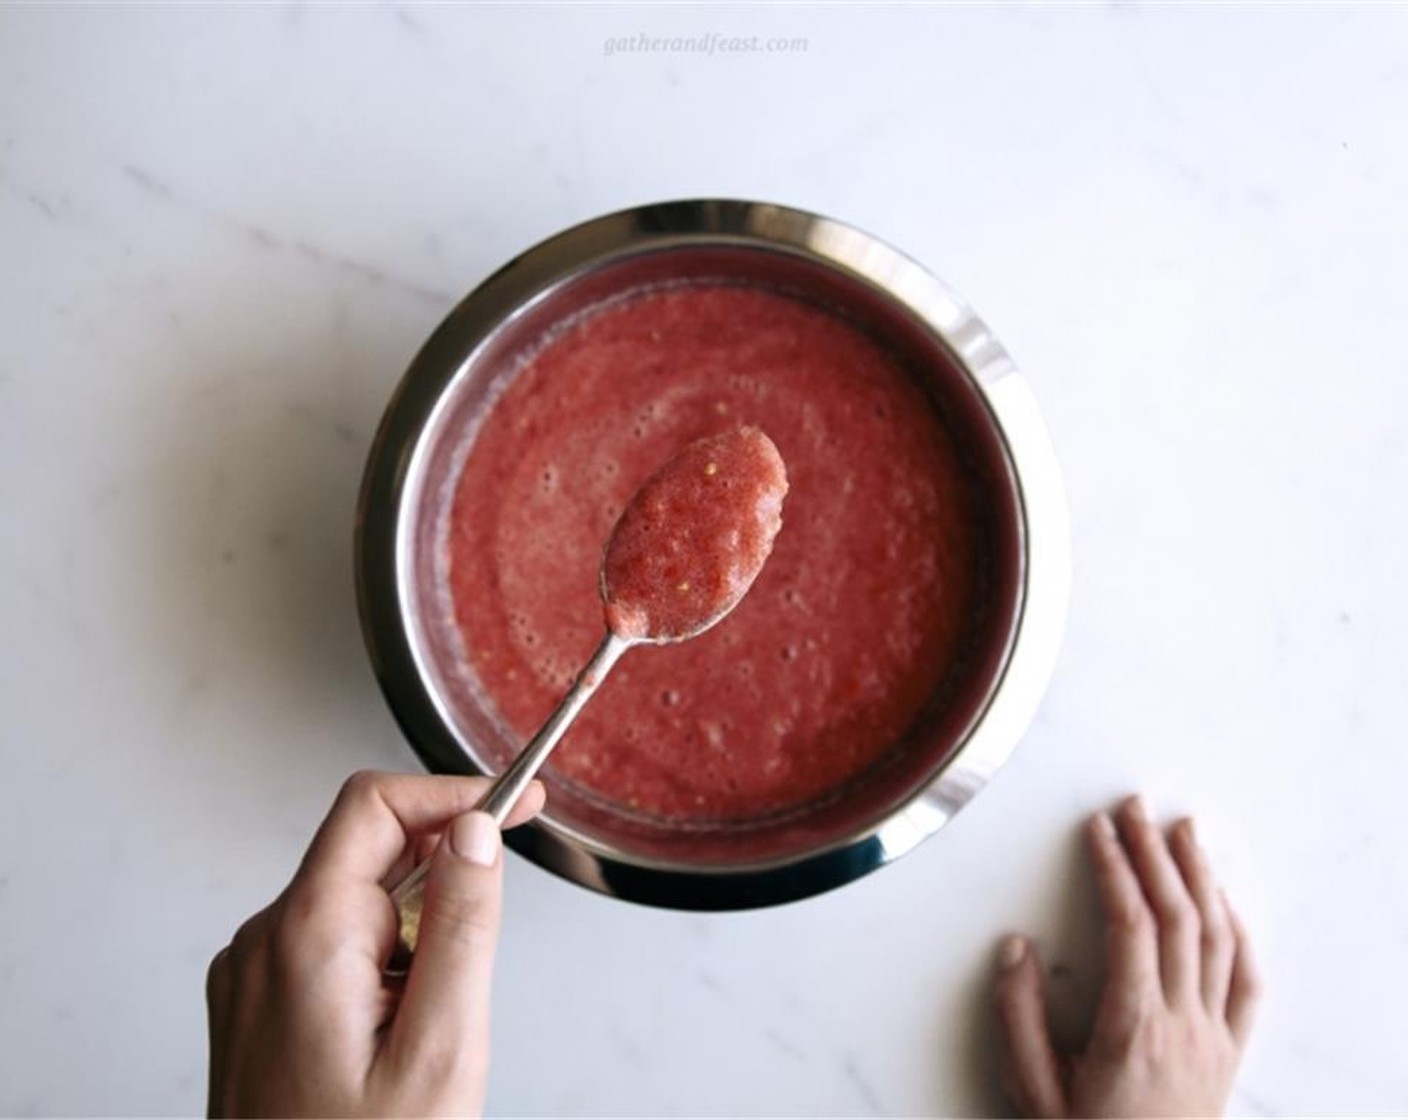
(694, 537)
(857, 619)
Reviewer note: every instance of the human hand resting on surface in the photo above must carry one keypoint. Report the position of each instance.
(1180, 988)
(303, 1020)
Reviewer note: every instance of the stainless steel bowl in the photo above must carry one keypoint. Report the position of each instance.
(965, 735)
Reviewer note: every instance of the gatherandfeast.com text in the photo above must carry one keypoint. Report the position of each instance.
(708, 45)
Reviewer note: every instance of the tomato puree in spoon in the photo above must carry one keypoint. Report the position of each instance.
(694, 537)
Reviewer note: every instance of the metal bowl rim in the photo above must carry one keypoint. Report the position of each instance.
(384, 518)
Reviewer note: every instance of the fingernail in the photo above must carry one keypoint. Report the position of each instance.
(1012, 950)
(1104, 825)
(1139, 808)
(475, 836)
(1192, 830)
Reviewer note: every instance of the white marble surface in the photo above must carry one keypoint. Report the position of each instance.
(224, 231)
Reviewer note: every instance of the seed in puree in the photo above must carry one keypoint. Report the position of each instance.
(694, 537)
(859, 617)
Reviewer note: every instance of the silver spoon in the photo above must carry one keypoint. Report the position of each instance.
(682, 555)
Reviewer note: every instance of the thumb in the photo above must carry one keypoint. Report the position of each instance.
(1030, 1069)
(446, 1002)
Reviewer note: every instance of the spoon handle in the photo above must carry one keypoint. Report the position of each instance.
(508, 787)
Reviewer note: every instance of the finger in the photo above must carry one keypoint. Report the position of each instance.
(1174, 912)
(1217, 944)
(388, 999)
(445, 1009)
(1245, 991)
(528, 806)
(376, 816)
(1031, 1072)
(426, 845)
(243, 975)
(217, 988)
(417, 852)
(330, 910)
(1131, 944)
(218, 985)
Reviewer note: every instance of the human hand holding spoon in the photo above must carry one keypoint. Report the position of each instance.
(683, 554)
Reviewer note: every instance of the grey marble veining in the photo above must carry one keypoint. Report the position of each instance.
(223, 233)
